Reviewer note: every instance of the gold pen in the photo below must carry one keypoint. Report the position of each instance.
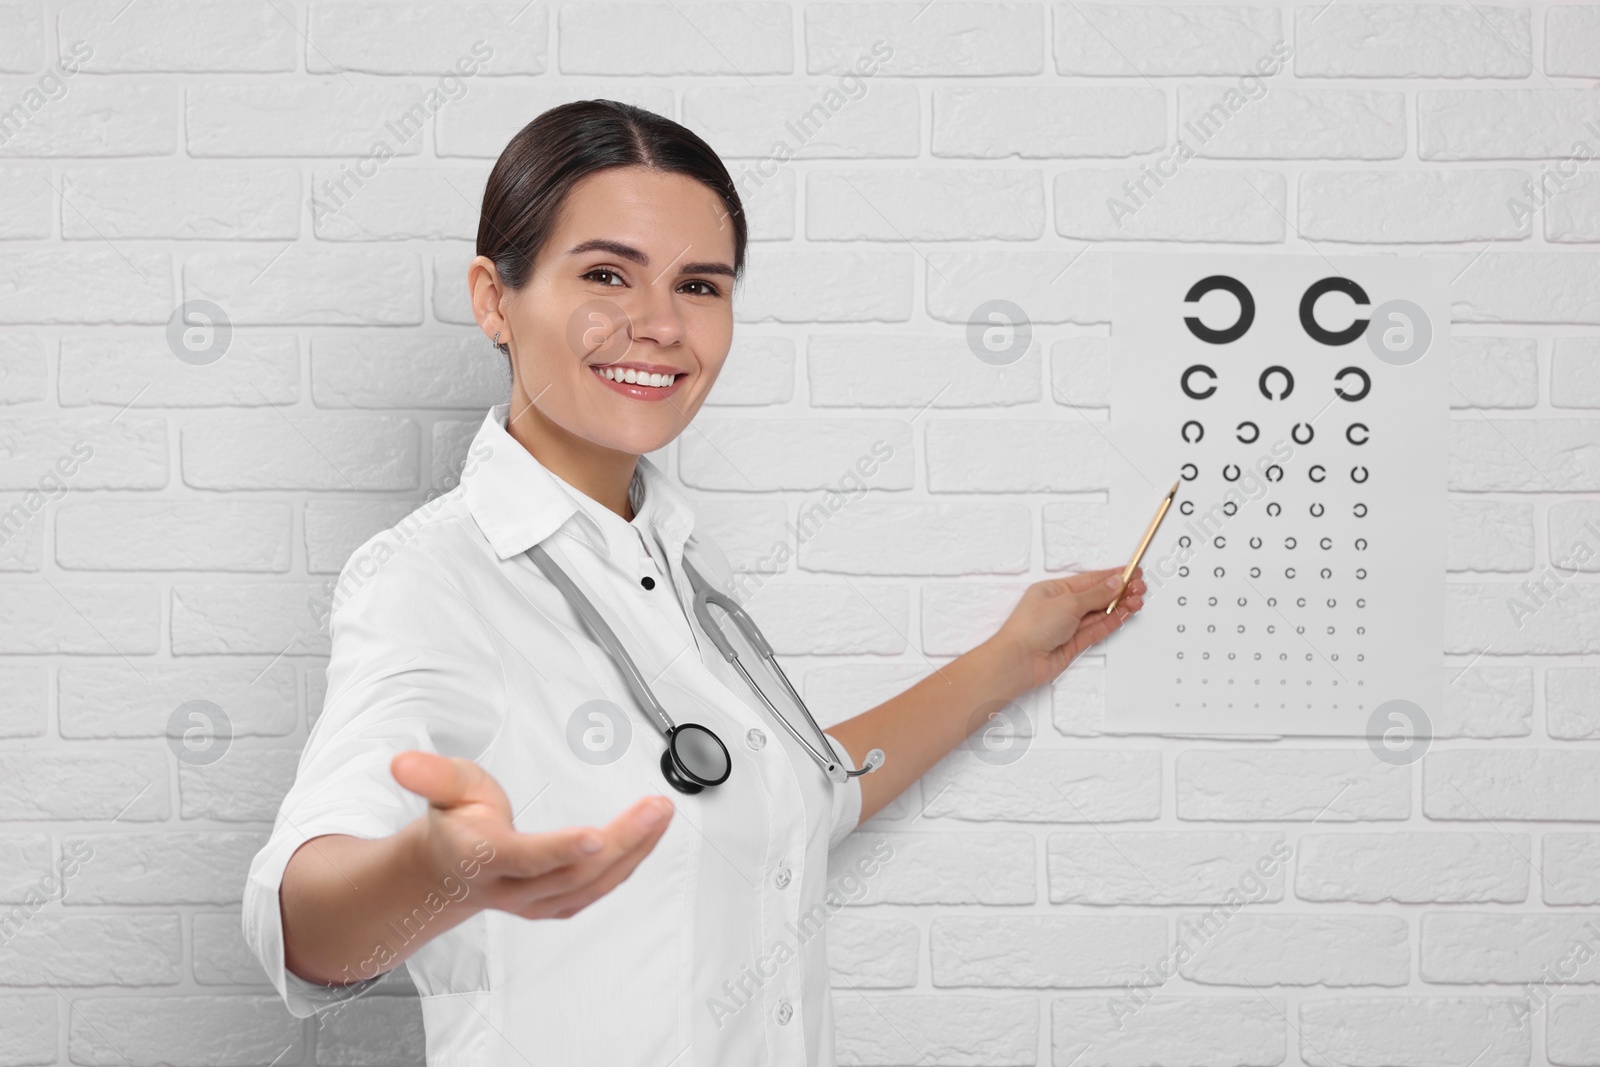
(1149, 535)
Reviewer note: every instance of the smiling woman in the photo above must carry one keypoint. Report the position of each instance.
(521, 659)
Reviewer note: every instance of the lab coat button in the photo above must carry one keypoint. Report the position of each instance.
(781, 879)
(756, 739)
(785, 1011)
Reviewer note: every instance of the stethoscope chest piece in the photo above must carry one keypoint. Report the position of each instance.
(694, 758)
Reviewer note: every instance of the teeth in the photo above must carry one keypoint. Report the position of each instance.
(633, 377)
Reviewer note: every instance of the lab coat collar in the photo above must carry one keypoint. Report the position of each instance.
(517, 501)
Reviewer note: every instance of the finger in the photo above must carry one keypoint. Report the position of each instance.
(1086, 580)
(573, 856)
(1092, 632)
(447, 782)
(565, 905)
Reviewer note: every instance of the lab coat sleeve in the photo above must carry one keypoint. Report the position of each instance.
(846, 798)
(411, 666)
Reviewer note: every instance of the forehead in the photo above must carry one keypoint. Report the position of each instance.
(655, 211)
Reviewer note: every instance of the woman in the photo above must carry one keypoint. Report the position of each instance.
(457, 804)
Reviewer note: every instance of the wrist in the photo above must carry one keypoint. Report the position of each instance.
(1004, 666)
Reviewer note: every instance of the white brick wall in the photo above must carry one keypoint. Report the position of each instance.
(170, 522)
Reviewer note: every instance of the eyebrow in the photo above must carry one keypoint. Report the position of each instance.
(617, 248)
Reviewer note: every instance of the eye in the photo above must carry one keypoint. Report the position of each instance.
(604, 270)
(711, 290)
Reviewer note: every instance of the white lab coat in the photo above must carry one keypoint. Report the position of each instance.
(447, 638)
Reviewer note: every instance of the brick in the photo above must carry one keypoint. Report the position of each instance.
(1524, 455)
(1412, 41)
(455, 371)
(959, 39)
(1494, 372)
(1489, 535)
(760, 372)
(991, 867)
(924, 205)
(1569, 202)
(397, 203)
(116, 700)
(830, 618)
(1506, 619)
(1390, 207)
(1500, 123)
(448, 456)
(1050, 287)
(1239, 1031)
(22, 525)
(862, 120)
(234, 535)
(27, 867)
(181, 36)
(23, 367)
(463, 41)
(76, 784)
(1042, 951)
(221, 956)
(280, 451)
(1413, 867)
(1043, 785)
(83, 452)
(1550, 287)
(1573, 543)
(1575, 372)
(21, 51)
(1572, 43)
(871, 370)
(252, 371)
(42, 285)
(239, 1030)
(989, 1031)
(1572, 1031)
(24, 700)
(182, 201)
(27, 204)
(1247, 784)
(303, 286)
(1164, 867)
(1080, 372)
(261, 617)
(873, 953)
(1075, 536)
(1485, 701)
(166, 867)
(28, 1019)
(1572, 702)
(634, 40)
(336, 528)
(1163, 39)
(1132, 204)
(1017, 456)
(1046, 122)
(813, 286)
(1078, 699)
(1413, 1031)
(1297, 950)
(105, 619)
(245, 785)
(94, 950)
(316, 117)
(944, 539)
(1294, 123)
(1482, 784)
(789, 454)
(91, 120)
(1473, 947)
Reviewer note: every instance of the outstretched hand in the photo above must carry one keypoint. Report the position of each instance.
(535, 875)
(1058, 618)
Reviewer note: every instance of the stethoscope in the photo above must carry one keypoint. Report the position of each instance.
(695, 757)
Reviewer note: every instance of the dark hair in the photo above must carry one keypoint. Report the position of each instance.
(567, 143)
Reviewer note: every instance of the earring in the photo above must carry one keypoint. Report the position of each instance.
(503, 348)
